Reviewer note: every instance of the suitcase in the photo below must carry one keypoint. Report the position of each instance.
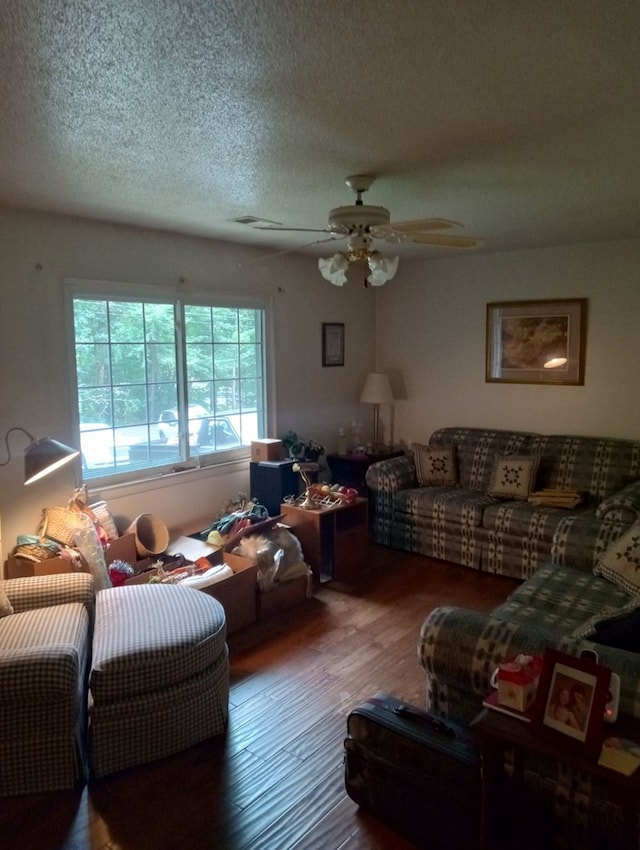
(417, 773)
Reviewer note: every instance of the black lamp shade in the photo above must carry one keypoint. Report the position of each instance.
(45, 455)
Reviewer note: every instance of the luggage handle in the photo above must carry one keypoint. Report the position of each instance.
(410, 712)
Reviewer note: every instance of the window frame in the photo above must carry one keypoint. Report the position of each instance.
(107, 290)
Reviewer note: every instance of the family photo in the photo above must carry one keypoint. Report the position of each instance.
(569, 705)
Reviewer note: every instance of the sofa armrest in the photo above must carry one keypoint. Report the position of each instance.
(384, 479)
(29, 672)
(44, 591)
(389, 476)
(621, 507)
(460, 648)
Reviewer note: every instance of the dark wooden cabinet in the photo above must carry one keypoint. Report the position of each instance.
(272, 481)
(350, 470)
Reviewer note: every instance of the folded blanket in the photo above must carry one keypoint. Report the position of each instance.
(211, 576)
(556, 498)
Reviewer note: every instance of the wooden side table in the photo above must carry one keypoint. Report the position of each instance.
(333, 540)
(498, 732)
(350, 470)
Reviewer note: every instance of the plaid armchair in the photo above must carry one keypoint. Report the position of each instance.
(45, 646)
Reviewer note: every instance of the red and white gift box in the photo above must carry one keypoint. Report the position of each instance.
(517, 681)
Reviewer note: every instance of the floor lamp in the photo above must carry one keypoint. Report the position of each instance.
(376, 391)
(42, 456)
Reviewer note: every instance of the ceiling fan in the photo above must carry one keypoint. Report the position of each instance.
(361, 224)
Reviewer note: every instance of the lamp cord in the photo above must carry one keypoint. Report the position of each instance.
(6, 441)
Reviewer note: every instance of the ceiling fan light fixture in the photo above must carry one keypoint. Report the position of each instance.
(382, 268)
(334, 269)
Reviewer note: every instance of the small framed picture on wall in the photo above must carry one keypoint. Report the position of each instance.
(333, 344)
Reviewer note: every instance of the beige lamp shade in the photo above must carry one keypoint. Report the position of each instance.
(376, 391)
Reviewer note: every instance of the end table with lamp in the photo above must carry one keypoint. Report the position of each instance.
(350, 469)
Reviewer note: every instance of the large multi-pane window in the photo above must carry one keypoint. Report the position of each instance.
(165, 383)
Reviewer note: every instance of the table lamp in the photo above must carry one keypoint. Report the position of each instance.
(376, 391)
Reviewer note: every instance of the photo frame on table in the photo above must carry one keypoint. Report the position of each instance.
(333, 344)
(536, 342)
(570, 702)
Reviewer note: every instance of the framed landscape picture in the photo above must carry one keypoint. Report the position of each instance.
(536, 342)
(332, 344)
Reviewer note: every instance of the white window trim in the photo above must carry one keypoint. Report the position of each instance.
(167, 476)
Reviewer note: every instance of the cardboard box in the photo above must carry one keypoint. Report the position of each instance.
(144, 569)
(282, 597)
(192, 547)
(236, 594)
(266, 450)
(22, 568)
(122, 549)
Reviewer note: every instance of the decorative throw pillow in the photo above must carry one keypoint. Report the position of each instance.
(620, 629)
(513, 476)
(6, 607)
(620, 564)
(435, 465)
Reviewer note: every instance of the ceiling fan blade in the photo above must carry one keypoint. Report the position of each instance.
(290, 250)
(443, 241)
(292, 229)
(420, 225)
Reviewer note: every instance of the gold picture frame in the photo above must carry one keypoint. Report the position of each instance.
(536, 342)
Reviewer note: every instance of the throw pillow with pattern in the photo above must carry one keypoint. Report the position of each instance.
(620, 564)
(435, 465)
(513, 476)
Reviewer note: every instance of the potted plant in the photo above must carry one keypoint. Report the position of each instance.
(313, 450)
(294, 445)
(300, 449)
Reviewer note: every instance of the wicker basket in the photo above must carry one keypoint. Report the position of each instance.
(61, 524)
(152, 535)
(40, 549)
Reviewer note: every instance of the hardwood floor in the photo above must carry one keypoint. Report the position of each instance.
(275, 781)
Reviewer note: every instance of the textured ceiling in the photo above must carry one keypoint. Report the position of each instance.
(520, 120)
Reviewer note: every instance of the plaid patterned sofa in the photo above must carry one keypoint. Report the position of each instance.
(461, 523)
(44, 660)
(459, 649)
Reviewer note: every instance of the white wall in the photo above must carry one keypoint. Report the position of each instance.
(431, 338)
(38, 251)
(426, 327)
